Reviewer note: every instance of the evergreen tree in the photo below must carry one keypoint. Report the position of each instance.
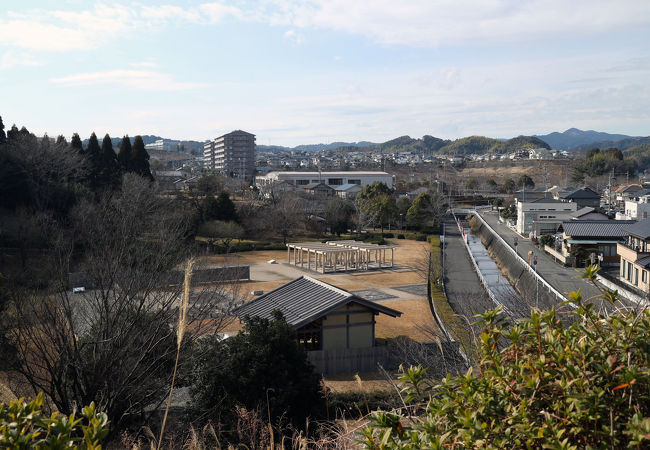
(109, 168)
(13, 134)
(61, 141)
(27, 137)
(226, 207)
(76, 143)
(124, 156)
(263, 366)
(139, 161)
(93, 151)
(45, 143)
(3, 137)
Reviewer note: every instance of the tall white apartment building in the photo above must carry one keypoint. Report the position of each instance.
(232, 154)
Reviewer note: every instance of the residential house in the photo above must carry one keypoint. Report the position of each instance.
(320, 190)
(526, 195)
(347, 191)
(588, 213)
(637, 208)
(625, 192)
(335, 326)
(583, 238)
(584, 197)
(635, 256)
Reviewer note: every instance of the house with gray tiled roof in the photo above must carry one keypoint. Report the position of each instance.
(634, 252)
(326, 319)
(584, 197)
(582, 238)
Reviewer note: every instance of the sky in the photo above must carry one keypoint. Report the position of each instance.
(320, 71)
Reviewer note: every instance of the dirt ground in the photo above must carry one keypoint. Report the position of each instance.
(415, 322)
(552, 172)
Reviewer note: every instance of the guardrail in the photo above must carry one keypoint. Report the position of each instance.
(545, 283)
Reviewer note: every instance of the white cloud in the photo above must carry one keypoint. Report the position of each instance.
(63, 30)
(42, 36)
(293, 36)
(215, 12)
(135, 79)
(430, 23)
(11, 59)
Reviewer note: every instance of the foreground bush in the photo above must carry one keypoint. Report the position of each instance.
(582, 386)
(25, 425)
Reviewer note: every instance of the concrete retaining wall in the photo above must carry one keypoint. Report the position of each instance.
(522, 277)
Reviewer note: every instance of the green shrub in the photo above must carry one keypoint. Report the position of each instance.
(585, 385)
(546, 239)
(389, 235)
(400, 236)
(372, 238)
(25, 425)
(420, 237)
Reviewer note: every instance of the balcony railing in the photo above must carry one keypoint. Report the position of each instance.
(636, 248)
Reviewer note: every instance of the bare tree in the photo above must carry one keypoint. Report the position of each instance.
(284, 214)
(114, 343)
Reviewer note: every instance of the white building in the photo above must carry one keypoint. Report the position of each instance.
(332, 179)
(638, 209)
(542, 215)
(232, 154)
(540, 153)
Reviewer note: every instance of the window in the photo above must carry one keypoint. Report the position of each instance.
(636, 276)
(335, 181)
(302, 182)
(644, 276)
(629, 271)
(352, 181)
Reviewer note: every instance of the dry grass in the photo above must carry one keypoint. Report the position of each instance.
(371, 381)
(415, 322)
(5, 394)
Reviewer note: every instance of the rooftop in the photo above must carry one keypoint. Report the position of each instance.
(583, 193)
(583, 211)
(640, 229)
(304, 300)
(596, 228)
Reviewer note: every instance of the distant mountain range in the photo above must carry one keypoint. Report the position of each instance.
(314, 147)
(575, 139)
(572, 139)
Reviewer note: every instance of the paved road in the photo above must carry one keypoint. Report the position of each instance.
(564, 279)
(465, 293)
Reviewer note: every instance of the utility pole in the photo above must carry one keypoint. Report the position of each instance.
(536, 282)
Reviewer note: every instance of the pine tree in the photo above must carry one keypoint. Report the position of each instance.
(124, 156)
(60, 141)
(139, 162)
(109, 172)
(3, 137)
(76, 143)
